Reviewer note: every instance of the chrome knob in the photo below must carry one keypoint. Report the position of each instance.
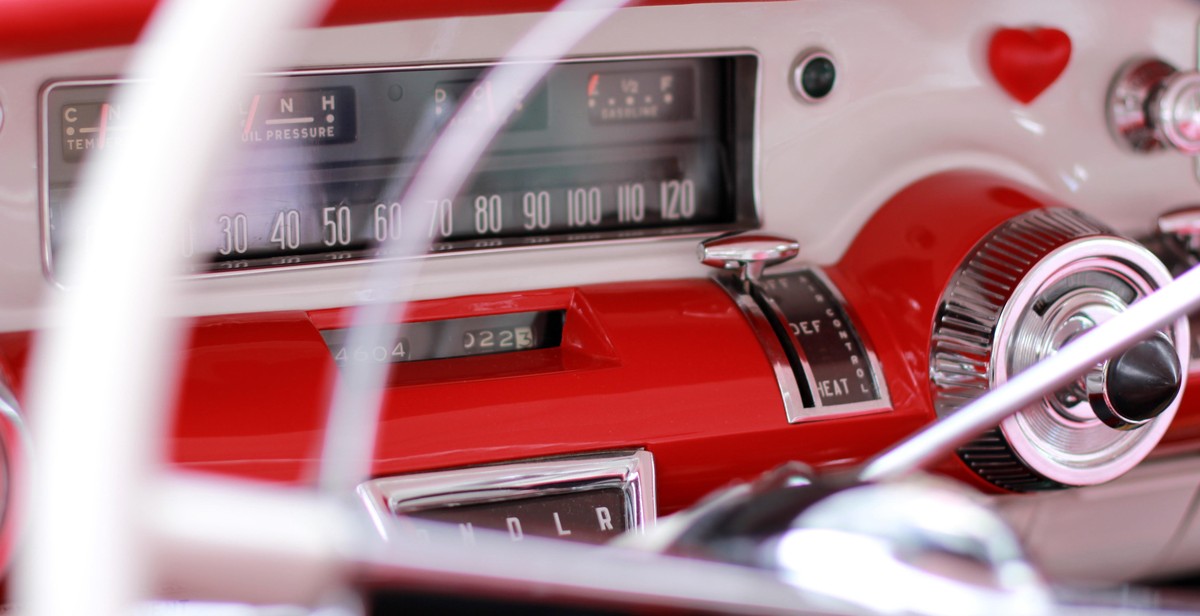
(747, 252)
(1026, 290)
(1131, 389)
(1152, 106)
(1176, 111)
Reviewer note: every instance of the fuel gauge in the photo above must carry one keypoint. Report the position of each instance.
(641, 96)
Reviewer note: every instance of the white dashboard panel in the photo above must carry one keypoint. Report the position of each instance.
(914, 96)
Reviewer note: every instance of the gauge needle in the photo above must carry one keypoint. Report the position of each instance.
(250, 116)
(103, 129)
(592, 83)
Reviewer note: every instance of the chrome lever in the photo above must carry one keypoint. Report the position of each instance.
(747, 252)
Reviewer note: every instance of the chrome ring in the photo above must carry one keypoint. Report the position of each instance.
(1022, 293)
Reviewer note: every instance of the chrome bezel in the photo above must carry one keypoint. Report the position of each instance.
(15, 447)
(805, 58)
(1164, 101)
(1127, 101)
(1129, 447)
(631, 472)
(602, 238)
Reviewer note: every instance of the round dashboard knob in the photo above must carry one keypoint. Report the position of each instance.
(1133, 388)
(1026, 290)
(1152, 105)
(1176, 108)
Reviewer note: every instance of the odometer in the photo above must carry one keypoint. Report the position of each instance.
(451, 338)
(602, 151)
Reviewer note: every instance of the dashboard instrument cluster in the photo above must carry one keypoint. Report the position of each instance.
(603, 150)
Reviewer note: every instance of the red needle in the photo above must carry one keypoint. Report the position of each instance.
(250, 116)
(103, 125)
(592, 83)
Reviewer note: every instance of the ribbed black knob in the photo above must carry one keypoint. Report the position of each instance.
(1138, 384)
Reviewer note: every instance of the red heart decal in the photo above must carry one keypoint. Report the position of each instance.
(1026, 62)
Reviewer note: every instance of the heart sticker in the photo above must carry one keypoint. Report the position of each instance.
(1026, 62)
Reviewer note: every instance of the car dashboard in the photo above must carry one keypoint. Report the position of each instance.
(559, 361)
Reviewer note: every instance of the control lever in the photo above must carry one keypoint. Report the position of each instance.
(747, 252)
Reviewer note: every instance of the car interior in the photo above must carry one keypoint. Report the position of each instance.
(599, 306)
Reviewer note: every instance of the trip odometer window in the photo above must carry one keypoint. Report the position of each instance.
(602, 151)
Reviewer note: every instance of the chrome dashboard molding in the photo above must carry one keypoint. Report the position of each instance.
(601, 238)
(797, 411)
(632, 472)
(789, 388)
(15, 480)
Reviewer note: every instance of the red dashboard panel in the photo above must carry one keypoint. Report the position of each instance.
(671, 366)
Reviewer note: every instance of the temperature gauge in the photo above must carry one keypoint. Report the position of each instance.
(640, 96)
(87, 127)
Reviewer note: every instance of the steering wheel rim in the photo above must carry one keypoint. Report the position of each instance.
(143, 515)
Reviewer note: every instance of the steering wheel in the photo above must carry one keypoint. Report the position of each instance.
(109, 522)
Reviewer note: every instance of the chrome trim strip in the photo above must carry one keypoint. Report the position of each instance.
(632, 472)
(789, 389)
(806, 366)
(18, 479)
(649, 235)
